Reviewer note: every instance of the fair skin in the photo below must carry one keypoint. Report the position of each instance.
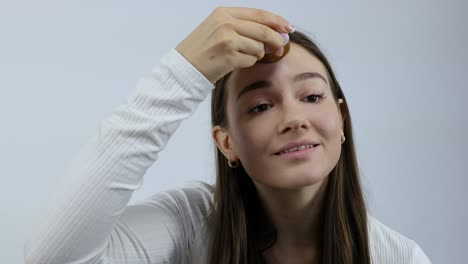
(230, 38)
(288, 110)
(233, 39)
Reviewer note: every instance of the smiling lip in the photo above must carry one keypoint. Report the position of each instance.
(298, 154)
(296, 144)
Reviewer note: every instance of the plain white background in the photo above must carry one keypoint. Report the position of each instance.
(65, 66)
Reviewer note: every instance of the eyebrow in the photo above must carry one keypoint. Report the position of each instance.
(266, 84)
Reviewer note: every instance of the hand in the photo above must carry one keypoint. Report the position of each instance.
(232, 37)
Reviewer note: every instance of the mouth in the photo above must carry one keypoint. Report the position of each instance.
(296, 149)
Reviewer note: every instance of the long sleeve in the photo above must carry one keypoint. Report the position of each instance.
(86, 220)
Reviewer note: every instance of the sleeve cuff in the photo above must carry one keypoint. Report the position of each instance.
(185, 73)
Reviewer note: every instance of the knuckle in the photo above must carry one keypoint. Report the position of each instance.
(249, 61)
(222, 32)
(219, 15)
(219, 9)
(261, 54)
(230, 59)
(279, 20)
(226, 43)
(263, 33)
(260, 15)
(253, 61)
(226, 25)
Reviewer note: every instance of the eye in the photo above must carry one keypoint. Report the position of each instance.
(259, 108)
(313, 98)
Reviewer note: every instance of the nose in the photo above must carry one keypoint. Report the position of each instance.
(295, 126)
(294, 120)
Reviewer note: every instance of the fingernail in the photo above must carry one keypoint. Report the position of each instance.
(289, 28)
(285, 38)
(267, 50)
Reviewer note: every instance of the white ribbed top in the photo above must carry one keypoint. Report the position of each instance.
(90, 220)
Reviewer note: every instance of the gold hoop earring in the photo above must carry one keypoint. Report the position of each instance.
(235, 165)
(342, 139)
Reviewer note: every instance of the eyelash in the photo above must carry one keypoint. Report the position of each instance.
(318, 97)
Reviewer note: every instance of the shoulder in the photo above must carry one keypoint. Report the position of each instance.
(389, 246)
(194, 198)
(164, 226)
(179, 210)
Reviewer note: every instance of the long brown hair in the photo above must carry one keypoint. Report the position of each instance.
(239, 230)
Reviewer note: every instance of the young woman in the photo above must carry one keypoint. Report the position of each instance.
(287, 187)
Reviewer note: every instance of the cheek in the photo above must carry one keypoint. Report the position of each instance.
(252, 137)
(249, 132)
(330, 131)
(328, 123)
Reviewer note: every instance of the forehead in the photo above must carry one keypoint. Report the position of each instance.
(298, 60)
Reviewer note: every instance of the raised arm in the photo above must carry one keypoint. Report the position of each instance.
(89, 220)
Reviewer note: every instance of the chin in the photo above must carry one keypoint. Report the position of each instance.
(302, 183)
(292, 182)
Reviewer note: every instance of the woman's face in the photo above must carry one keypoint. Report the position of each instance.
(283, 105)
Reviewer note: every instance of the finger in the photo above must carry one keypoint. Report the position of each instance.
(250, 47)
(262, 33)
(245, 60)
(266, 18)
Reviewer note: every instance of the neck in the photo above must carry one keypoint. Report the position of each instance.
(295, 213)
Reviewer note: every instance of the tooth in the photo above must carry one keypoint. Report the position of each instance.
(296, 148)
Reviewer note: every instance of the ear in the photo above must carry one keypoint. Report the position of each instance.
(223, 141)
(342, 111)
